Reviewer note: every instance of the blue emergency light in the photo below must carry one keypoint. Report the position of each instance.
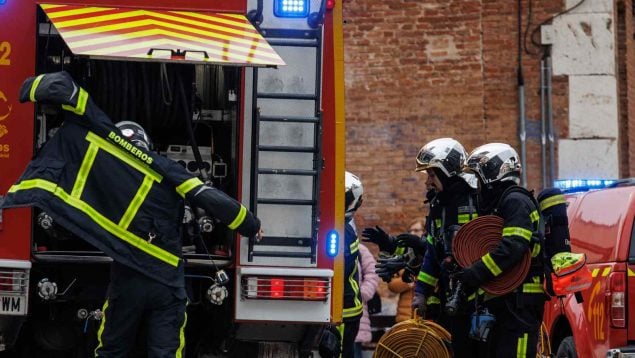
(290, 8)
(332, 243)
(2, 2)
(576, 185)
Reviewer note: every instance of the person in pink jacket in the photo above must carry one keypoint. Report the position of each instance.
(368, 281)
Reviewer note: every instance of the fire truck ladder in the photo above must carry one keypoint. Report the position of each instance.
(287, 150)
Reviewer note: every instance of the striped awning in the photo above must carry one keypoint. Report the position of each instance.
(158, 35)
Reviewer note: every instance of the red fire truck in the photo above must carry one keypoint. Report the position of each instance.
(602, 225)
(248, 94)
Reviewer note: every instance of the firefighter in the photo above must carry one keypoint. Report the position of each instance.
(352, 297)
(102, 183)
(519, 313)
(453, 202)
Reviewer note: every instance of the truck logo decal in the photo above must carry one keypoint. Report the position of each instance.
(8, 107)
(595, 314)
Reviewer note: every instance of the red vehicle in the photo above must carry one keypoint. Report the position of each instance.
(247, 94)
(601, 224)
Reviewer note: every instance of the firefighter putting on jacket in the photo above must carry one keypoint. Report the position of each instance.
(453, 202)
(353, 306)
(518, 314)
(104, 184)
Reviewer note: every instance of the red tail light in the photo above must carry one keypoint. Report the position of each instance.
(285, 288)
(330, 4)
(13, 281)
(617, 299)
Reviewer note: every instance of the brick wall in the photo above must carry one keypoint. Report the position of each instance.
(420, 70)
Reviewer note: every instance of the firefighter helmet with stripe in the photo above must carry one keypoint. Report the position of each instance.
(354, 193)
(135, 134)
(494, 162)
(446, 154)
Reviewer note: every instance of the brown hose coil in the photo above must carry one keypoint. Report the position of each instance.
(480, 236)
(414, 338)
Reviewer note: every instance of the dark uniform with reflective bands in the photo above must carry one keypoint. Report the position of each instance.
(127, 202)
(519, 313)
(352, 296)
(454, 206)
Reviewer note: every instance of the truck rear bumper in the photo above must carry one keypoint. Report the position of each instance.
(621, 352)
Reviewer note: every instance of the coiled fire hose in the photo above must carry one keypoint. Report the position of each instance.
(414, 338)
(480, 236)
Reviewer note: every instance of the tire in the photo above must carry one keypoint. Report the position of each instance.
(566, 349)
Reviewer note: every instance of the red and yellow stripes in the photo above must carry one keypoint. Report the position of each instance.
(101, 32)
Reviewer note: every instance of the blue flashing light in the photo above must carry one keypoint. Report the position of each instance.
(577, 185)
(332, 243)
(290, 8)
(2, 2)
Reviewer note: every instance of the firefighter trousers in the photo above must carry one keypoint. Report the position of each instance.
(348, 331)
(137, 303)
(517, 327)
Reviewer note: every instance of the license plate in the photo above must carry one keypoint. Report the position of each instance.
(13, 305)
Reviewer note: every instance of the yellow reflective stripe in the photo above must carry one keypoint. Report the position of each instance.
(551, 201)
(34, 85)
(355, 286)
(426, 278)
(532, 288)
(80, 108)
(521, 348)
(473, 296)
(99, 219)
(84, 169)
(430, 239)
(240, 217)
(354, 246)
(400, 250)
(491, 265)
(437, 223)
(536, 250)
(352, 312)
(517, 231)
(122, 155)
(136, 202)
(433, 300)
(534, 216)
(179, 351)
(464, 218)
(102, 325)
(188, 185)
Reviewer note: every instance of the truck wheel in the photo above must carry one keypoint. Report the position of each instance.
(566, 349)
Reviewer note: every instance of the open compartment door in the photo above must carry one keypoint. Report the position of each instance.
(159, 35)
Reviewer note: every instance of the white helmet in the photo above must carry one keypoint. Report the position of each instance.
(447, 154)
(353, 195)
(494, 162)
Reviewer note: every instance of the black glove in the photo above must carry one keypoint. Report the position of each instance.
(469, 280)
(379, 237)
(386, 267)
(418, 304)
(416, 242)
(409, 274)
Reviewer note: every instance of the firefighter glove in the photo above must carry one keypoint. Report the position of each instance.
(418, 304)
(386, 267)
(469, 280)
(414, 241)
(379, 237)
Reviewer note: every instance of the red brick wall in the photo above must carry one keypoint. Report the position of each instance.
(420, 70)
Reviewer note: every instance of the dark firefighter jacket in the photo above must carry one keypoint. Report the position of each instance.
(522, 231)
(454, 206)
(352, 296)
(122, 199)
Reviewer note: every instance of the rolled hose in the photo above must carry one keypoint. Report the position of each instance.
(477, 238)
(414, 338)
